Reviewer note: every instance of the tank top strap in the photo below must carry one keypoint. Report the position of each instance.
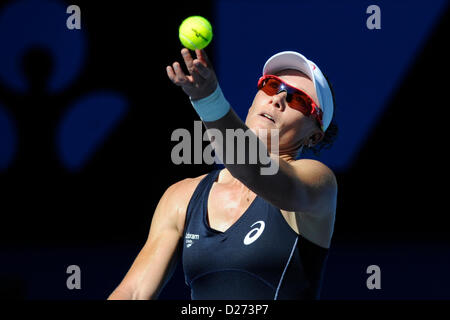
(194, 210)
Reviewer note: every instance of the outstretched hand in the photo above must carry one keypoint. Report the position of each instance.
(201, 81)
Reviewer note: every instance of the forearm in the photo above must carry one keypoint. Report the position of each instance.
(120, 294)
(124, 294)
(150, 271)
(244, 153)
(141, 292)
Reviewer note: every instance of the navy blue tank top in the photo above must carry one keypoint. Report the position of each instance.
(258, 257)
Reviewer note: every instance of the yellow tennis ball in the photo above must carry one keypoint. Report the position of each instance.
(195, 32)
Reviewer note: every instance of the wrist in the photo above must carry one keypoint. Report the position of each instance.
(212, 107)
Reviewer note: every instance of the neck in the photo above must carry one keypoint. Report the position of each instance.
(289, 154)
(288, 157)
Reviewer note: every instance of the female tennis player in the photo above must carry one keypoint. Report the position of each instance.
(241, 234)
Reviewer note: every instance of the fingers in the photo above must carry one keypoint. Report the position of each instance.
(190, 64)
(188, 60)
(202, 70)
(199, 69)
(203, 57)
(170, 73)
(177, 76)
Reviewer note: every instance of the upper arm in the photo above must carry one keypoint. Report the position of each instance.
(302, 185)
(158, 256)
(316, 221)
(318, 186)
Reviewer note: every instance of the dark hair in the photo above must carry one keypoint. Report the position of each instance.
(330, 133)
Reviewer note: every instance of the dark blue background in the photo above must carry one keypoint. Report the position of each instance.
(366, 67)
(86, 118)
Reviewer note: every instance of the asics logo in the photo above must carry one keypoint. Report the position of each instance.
(255, 233)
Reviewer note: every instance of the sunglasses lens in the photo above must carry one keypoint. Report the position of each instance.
(271, 86)
(295, 99)
(299, 102)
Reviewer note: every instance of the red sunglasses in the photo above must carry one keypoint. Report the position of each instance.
(295, 98)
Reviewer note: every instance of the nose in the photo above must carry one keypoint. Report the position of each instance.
(279, 100)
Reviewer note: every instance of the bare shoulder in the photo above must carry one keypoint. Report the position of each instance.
(316, 173)
(178, 195)
(181, 192)
(317, 224)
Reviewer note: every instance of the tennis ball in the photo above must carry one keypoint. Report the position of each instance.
(195, 32)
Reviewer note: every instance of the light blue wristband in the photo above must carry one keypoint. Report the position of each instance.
(213, 107)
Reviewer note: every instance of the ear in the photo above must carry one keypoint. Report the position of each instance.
(315, 138)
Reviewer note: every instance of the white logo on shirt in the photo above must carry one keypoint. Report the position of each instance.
(189, 239)
(252, 236)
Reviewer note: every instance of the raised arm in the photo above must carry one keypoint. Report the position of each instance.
(303, 185)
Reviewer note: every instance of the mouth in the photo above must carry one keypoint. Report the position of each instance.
(267, 116)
